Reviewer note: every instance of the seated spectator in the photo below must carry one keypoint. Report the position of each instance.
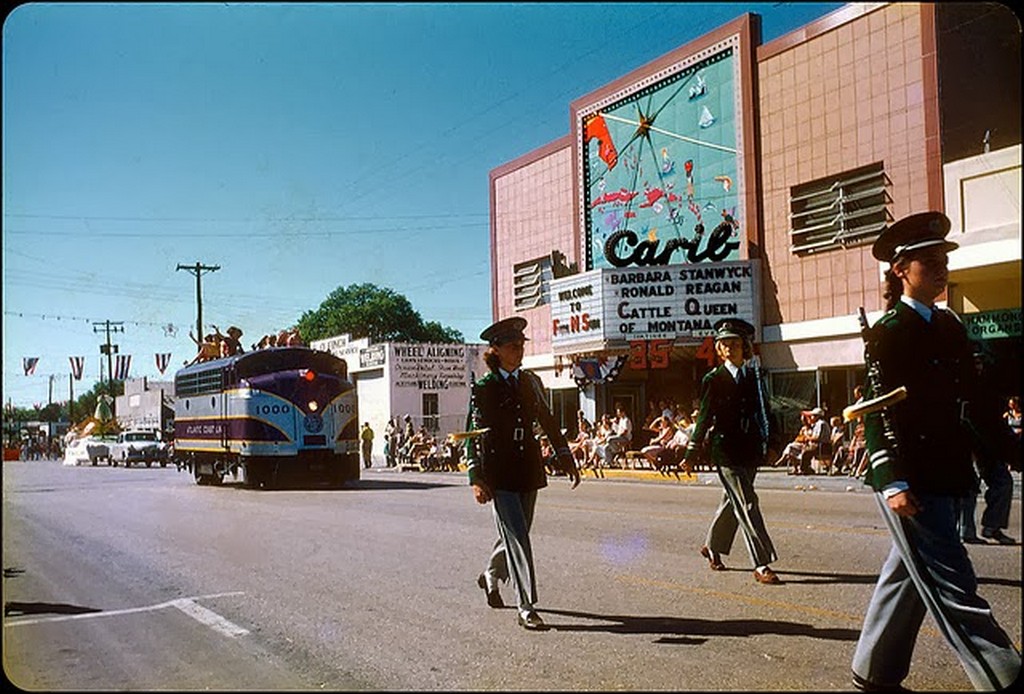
(674, 452)
(621, 438)
(580, 446)
(231, 343)
(793, 453)
(581, 419)
(209, 348)
(667, 409)
(664, 429)
(450, 454)
(818, 451)
(597, 455)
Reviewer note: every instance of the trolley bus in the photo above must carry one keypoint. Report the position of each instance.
(267, 415)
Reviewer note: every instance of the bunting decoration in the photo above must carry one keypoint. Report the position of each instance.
(597, 370)
(122, 364)
(77, 366)
(29, 365)
(162, 360)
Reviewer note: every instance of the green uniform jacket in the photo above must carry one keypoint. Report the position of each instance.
(730, 413)
(933, 441)
(508, 456)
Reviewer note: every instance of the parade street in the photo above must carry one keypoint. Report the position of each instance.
(139, 579)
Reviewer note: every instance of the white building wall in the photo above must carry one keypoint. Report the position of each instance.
(391, 379)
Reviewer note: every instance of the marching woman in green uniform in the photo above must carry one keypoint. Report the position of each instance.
(505, 464)
(733, 413)
(920, 466)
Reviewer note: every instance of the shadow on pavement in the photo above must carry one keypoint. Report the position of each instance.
(683, 631)
(18, 609)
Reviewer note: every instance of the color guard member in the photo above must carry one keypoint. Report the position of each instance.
(733, 412)
(505, 464)
(920, 466)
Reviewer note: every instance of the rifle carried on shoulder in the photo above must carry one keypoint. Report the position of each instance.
(878, 403)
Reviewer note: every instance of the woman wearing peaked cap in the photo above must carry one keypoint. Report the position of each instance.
(732, 413)
(505, 464)
(920, 475)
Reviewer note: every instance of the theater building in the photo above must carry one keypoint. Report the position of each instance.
(732, 177)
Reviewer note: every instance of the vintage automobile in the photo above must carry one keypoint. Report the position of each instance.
(88, 449)
(139, 446)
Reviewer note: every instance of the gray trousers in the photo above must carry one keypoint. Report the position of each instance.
(740, 509)
(512, 556)
(928, 569)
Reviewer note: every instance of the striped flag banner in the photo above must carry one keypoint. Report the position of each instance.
(122, 363)
(77, 366)
(29, 365)
(162, 360)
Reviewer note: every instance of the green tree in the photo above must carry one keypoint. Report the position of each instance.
(365, 310)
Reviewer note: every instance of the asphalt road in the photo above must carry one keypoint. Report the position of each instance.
(139, 579)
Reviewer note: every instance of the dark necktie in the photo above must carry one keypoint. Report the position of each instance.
(513, 383)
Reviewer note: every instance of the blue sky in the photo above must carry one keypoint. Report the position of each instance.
(298, 147)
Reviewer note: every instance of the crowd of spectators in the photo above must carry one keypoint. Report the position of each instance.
(216, 344)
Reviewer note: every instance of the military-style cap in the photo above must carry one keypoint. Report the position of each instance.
(921, 230)
(506, 330)
(733, 327)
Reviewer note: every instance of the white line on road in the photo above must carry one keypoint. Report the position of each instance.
(209, 618)
(186, 605)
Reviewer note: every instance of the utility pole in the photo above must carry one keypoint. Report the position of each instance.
(198, 269)
(110, 350)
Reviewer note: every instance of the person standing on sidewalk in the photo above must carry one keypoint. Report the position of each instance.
(733, 412)
(920, 467)
(994, 448)
(366, 441)
(505, 464)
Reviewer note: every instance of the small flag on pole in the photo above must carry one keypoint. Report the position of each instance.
(29, 364)
(162, 360)
(122, 364)
(77, 365)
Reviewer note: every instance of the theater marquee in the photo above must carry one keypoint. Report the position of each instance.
(661, 164)
(606, 309)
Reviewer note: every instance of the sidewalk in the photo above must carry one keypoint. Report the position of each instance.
(767, 478)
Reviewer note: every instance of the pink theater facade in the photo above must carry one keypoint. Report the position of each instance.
(731, 177)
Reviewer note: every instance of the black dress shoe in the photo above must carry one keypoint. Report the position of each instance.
(973, 540)
(863, 685)
(998, 535)
(493, 596)
(532, 621)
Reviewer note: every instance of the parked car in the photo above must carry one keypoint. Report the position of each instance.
(139, 446)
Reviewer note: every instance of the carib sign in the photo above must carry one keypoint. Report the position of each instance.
(608, 308)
